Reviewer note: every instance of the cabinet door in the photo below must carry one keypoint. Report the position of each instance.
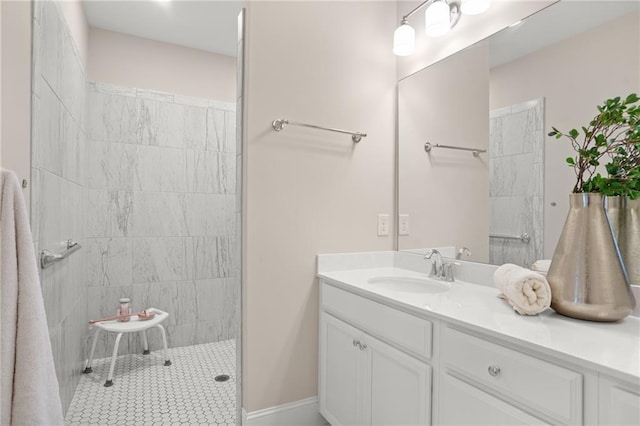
(619, 403)
(341, 373)
(463, 404)
(398, 386)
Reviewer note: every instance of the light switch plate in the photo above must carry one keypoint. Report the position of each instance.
(403, 224)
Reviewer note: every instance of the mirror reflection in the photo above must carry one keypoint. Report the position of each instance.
(502, 95)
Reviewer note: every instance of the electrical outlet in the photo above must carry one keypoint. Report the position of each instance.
(403, 224)
(383, 225)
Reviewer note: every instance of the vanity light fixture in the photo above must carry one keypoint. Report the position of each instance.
(404, 39)
(437, 18)
(440, 16)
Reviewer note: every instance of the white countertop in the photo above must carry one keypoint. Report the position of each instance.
(612, 348)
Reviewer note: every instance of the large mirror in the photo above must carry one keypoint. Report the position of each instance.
(504, 196)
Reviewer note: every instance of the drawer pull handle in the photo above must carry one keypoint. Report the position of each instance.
(494, 370)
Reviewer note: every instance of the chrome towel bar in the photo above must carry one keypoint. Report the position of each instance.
(279, 125)
(524, 237)
(475, 151)
(48, 258)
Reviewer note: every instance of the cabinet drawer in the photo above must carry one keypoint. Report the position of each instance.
(463, 404)
(407, 331)
(541, 385)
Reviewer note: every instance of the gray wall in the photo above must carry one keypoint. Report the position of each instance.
(161, 212)
(58, 186)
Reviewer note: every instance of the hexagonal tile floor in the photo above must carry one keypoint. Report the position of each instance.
(146, 392)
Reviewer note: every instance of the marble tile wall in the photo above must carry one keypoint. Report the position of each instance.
(58, 186)
(162, 212)
(517, 181)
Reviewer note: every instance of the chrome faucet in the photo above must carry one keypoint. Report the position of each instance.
(449, 275)
(463, 251)
(439, 269)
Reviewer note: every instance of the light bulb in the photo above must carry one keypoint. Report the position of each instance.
(404, 40)
(474, 7)
(437, 19)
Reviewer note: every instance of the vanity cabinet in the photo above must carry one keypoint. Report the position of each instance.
(382, 364)
(364, 380)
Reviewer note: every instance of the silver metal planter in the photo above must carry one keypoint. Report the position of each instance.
(587, 277)
(624, 215)
(631, 243)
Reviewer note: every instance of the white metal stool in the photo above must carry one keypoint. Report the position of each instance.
(131, 326)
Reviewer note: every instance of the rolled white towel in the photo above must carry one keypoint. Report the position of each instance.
(526, 291)
(541, 265)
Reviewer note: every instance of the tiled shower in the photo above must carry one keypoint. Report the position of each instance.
(160, 212)
(516, 180)
(146, 182)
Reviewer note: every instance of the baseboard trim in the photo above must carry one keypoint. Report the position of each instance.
(299, 413)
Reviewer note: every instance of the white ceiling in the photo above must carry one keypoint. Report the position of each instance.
(206, 25)
(211, 25)
(557, 22)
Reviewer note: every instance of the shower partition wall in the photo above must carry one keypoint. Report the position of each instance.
(58, 186)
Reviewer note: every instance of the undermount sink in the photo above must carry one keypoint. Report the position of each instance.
(409, 284)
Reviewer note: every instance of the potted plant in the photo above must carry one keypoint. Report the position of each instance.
(614, 134)
(587, 274)
(622, 188)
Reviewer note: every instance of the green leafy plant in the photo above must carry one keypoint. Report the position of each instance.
(613, 135)
(623, 173)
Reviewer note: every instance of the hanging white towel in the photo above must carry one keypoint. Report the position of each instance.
(29, 387)
(526, 291)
